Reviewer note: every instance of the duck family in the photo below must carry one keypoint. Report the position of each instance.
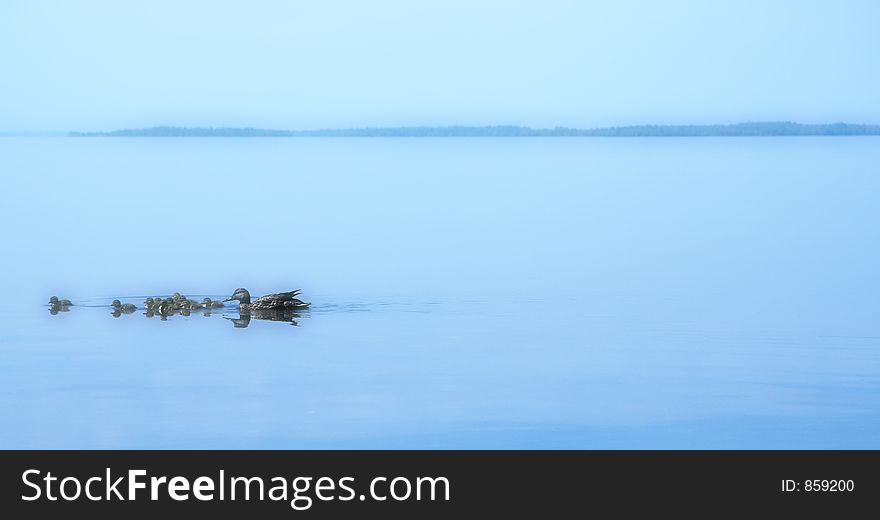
(178, 303)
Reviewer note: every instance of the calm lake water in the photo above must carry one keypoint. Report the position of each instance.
(467, 293)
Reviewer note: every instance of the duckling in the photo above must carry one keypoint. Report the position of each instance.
(148, 303)
(285, 300)
(55, 302)
(166, 307)
(194, 305)
(178, 299)
(208, 303)
(126, 308)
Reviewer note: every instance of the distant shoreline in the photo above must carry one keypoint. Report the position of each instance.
(750, 129)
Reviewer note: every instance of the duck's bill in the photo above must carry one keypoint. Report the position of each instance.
(228, 299)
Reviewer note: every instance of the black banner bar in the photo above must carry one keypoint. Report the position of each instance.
(419, 484)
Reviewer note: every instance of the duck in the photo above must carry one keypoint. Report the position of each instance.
(166, 307)
(188, 304)
(127, 308)
(208, 303)
(285, 300)
(55, 302)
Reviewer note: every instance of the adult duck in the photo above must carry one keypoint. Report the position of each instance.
(285, 300)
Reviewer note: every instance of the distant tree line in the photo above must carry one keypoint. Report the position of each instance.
(756, 129)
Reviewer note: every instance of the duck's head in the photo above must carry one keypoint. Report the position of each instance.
(116, 303)
(54, 300)
(240, 294)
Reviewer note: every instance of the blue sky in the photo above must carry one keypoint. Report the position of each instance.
(94, 65)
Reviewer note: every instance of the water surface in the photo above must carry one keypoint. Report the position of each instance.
(467, 293)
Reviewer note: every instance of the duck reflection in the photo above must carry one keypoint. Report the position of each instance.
(245, 316)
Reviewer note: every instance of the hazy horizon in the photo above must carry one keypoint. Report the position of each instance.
(99, 65)
(69, 132)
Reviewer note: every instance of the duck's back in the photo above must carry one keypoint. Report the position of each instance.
(279, 301)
